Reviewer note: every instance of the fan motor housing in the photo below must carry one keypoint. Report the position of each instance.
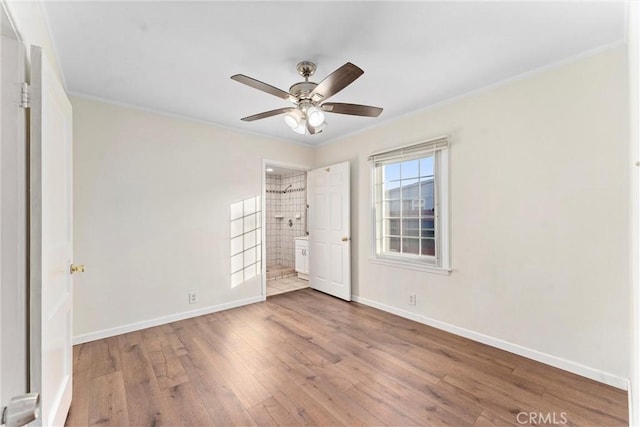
(302, 90)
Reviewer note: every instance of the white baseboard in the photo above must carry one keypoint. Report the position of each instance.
(131, 327)
(558, 362)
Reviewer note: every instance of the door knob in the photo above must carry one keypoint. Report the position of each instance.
(76, 268)
(345, 239)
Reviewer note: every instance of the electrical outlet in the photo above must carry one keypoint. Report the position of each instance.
(193, 297)
(412, 299)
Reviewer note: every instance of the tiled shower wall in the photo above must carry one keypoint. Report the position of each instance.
(286, 199)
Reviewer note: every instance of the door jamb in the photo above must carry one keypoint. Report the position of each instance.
(263, 202)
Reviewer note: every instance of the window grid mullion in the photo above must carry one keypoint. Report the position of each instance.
(436, 209)
(401, 212)
(419, 208)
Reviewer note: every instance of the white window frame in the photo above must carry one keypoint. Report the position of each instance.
(439, 148)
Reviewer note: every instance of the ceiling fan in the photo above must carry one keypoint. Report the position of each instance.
(307, 114)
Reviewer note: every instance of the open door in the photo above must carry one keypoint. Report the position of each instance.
(51, 239)
(329, 230)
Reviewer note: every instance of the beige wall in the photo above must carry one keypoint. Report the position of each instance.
(151, 213)
(539, 217)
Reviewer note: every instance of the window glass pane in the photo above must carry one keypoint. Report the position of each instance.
(392, 244)
(428, 247)
(391, 172)
(427, 208)
(392, 227)
(426, 166)
(409, 169)
(428, 222)
(391, 208)
(410, 188)
(411, 227)
(426, 192)
(392, 190)
(428, 232)
(410, 246)
(411, 208)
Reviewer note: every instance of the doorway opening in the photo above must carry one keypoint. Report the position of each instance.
(286, 230)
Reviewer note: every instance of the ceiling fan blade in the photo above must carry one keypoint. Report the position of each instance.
(267, 114)
(351, 109)
(257, 84)
(336, 81)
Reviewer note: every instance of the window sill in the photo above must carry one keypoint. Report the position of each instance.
(411, 266)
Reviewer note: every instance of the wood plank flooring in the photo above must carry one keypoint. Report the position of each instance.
(305, 358)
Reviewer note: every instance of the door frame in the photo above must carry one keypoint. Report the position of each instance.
(263, 206)
(14, 244)
(633, 52)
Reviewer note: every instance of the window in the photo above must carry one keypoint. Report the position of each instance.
(410, 204)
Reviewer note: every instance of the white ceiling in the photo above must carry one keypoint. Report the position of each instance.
(177, 57)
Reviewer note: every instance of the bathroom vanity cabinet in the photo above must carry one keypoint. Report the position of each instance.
(302, 257)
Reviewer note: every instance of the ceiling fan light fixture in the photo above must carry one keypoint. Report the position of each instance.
(322, 126)
(306, 116)
(294, 119)
(315, 116)
(301, 128)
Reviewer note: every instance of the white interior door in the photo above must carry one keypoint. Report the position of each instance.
(329, 230)
(50, 242)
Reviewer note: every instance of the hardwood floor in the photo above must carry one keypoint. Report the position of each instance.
(305, 358)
